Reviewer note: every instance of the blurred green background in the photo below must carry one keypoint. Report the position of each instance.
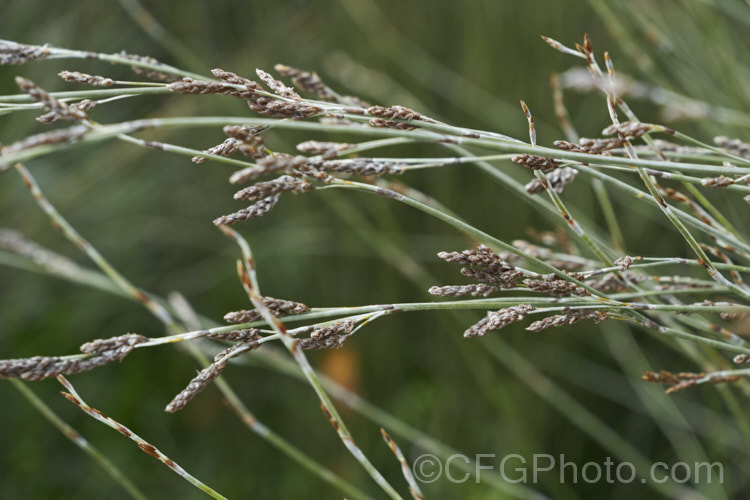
(149, 213)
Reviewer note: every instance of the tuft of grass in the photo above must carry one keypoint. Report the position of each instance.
(694, 300)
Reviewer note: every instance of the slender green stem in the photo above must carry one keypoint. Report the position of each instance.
(712, 148)
(609, 213)
(161, 313)
(75, 237)
(147, 447)
(70, 433)
(468, 229)
(691, 220)
(61, 53)
(577, 413)
(710, 268)
(486, 304)
(272, 360)
(569, 220)
(246, 271)
(715, 212)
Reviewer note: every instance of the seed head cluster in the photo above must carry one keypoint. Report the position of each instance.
(482, 257)
(483, 265)
(462, 290)
(250, 142)
(502, 279)
(568, 317)
(611, 283)
(69, 134)
(307, 82)
(279, 307)
(324, 149)
(208, 374)
(150, 73)
(734, 146)
(557, 180)
(276, 86)
(17, 53)
(683, 380)
(625, 262)
(50, 103)
(717, 182)
(283, 184)
(495, 320)
(553, 285)
(294, 167)
(381, 123)
(240, 138)
(257, 209)
(236, 335)
(75, 108)
(591, 146)
(289, 107)
(394, 113)
(536, 162)
(328, 337)
(76, 77)
(628, 129)
(102, 352)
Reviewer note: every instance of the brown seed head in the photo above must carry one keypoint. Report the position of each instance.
(359, 166)
(76, 77)
(16, 53)
(717, 182)
(557, 287)
(327, 337)
(324, 149)
(103, 351)
(249, 142)
(482, 257)
(283, 184)
(381, 123)
(229, 77)
(624, 262)
(75, 108)
(394, 112)
(591, 146)
(237, 335)
(569, 317)
(192, 86)
(307, 82)
(58, 136)
(734, 146)
(462, 290)
(122, 345)
(279, 307)
(504, 279)
(276, 86)
(536, 162)
(255, 210)
(557, 180)
(496, 320)
(275, 108)
(148, 72)
(195, 386)
(628, 129)
(226, 148)
(278, 162)
(50, 103)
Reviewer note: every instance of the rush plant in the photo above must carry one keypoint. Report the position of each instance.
(582, 273)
